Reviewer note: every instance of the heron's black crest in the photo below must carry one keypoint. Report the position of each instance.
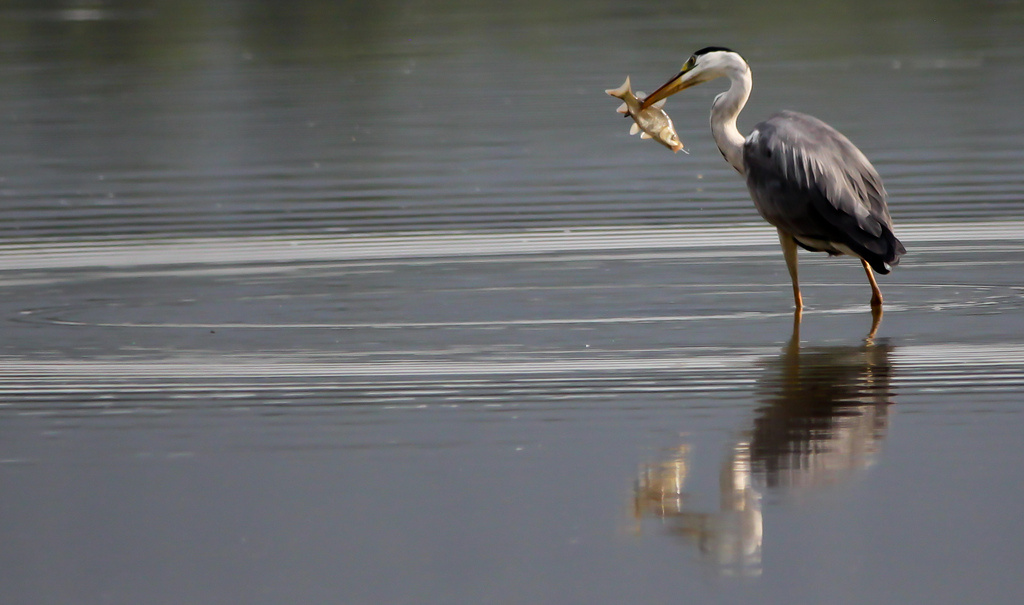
(711, 49)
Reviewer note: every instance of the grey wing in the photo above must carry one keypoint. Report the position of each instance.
(809, 180)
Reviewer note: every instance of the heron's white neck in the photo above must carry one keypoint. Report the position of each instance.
(724, 110)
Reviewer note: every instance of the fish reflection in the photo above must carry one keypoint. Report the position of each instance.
(822, 417)
(729, 537)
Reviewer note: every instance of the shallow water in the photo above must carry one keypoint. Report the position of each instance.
(334, 305)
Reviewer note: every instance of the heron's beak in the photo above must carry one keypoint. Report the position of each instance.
(680, 81)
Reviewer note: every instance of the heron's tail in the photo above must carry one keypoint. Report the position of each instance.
(885, 253)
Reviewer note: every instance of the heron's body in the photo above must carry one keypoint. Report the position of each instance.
(806, 178)
(798, 192)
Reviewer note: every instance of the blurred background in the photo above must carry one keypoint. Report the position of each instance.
(177, 117)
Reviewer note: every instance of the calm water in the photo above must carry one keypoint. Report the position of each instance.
(325, 302)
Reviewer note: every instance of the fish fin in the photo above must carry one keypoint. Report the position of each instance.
(620, 91)
(644, 135)
(623, 109)
(659, 104)
(634, 129)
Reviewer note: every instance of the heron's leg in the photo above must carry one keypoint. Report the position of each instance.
(789, 252)
(876, 294)
(876, 320)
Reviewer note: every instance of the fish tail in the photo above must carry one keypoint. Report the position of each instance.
(621, 91)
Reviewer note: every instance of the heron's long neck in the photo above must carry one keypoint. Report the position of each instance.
(724, 110)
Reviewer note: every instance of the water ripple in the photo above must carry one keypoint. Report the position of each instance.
(286, 249)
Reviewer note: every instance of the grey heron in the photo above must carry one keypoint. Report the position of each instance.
(806, 179)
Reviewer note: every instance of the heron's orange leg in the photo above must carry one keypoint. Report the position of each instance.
(876, 320)
(876, 294)
(789, 252)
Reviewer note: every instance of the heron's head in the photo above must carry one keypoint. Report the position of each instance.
(705, 64)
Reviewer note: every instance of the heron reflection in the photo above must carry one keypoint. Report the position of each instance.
(822, 417)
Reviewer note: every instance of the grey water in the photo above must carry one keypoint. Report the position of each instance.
(380, 303)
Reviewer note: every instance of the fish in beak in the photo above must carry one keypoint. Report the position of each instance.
(651, 123)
